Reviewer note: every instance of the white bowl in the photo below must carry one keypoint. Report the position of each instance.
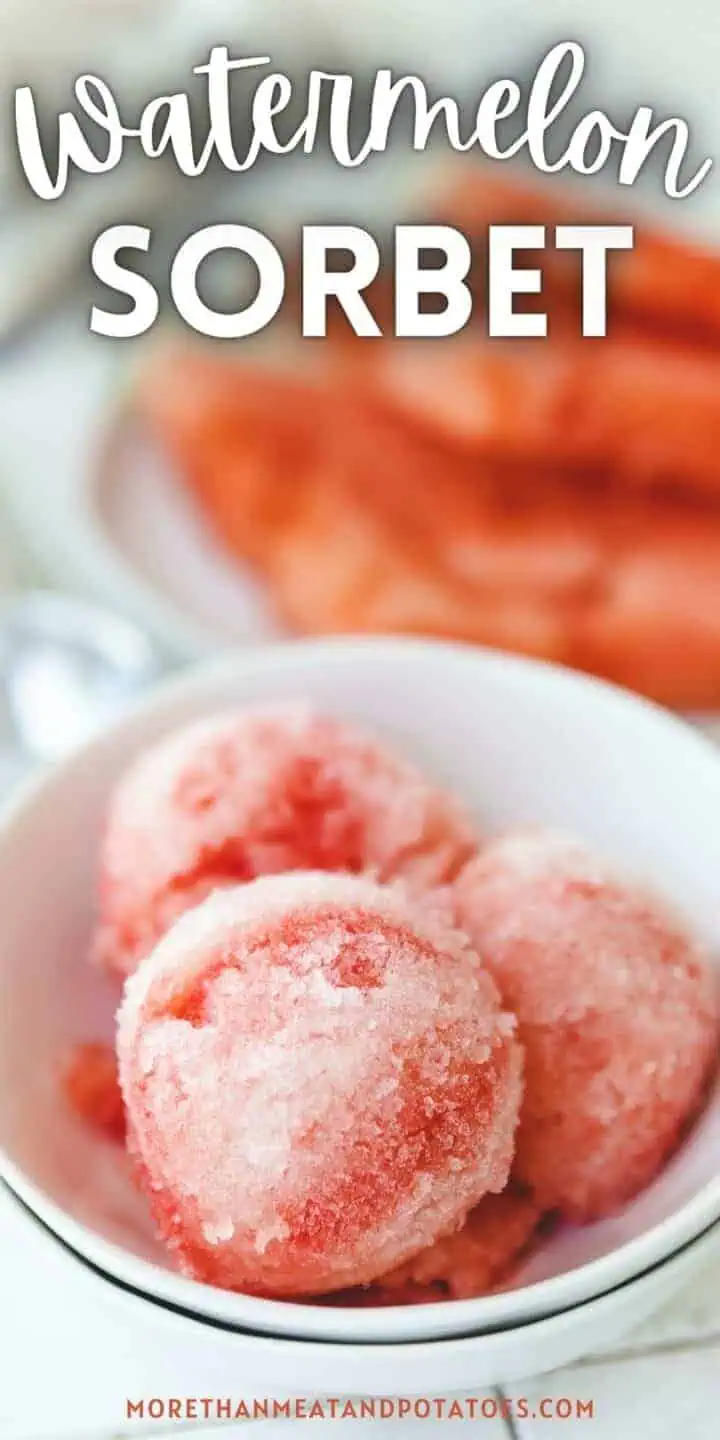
(136, 1347)
(521, 742)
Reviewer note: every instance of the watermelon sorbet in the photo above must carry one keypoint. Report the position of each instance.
(258, 792)
(617, 1012)
(320, 1082)
(364, 1056)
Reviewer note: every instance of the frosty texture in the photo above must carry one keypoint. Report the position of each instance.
(617, 1012)
(319, 1082)
(258, 792)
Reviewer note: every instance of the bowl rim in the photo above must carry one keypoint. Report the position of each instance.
(391, 1324)
(677, 1259)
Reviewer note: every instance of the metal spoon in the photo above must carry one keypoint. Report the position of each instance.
(67, 667)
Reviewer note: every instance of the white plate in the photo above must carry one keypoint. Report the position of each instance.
(139, 547)
(59, 404)
(103, 511)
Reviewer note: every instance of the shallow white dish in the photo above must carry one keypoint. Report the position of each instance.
(522, 742)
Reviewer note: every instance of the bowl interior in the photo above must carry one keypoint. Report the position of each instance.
(521, 743)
